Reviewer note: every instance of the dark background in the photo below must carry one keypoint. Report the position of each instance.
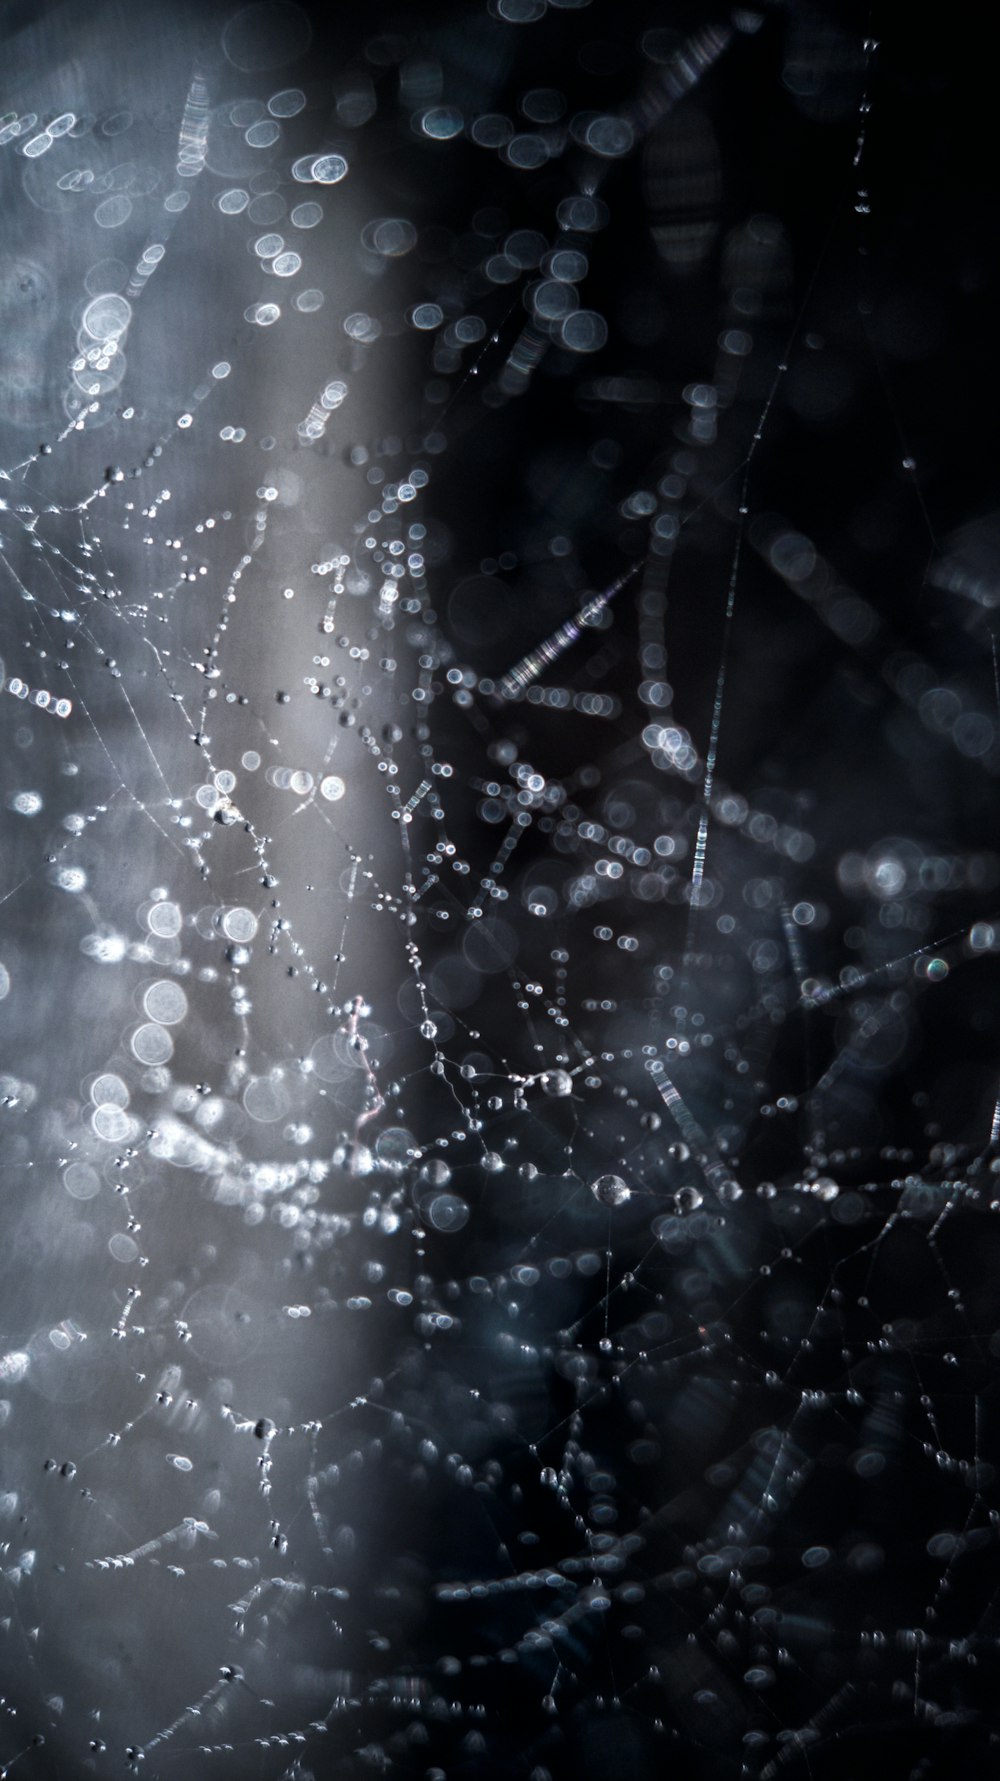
(486, 1472)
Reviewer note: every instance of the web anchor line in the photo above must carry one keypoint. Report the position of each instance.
(518, 679)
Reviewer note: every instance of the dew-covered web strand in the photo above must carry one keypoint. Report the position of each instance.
(866, 304)
(743, 510)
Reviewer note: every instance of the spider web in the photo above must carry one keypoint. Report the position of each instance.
(500, 712)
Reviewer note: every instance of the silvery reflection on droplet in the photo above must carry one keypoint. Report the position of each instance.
(152, 1044)
(165, 1002)
(107, 316)
(164, 919)
(395, 1147)
(66, 1361)
(689, 1198)
(263, 135)
(113, 1124)
(557, 1083)
(81, 1181)
(825, 1188)
(446, 1212)
(584, 331)
(435, 1172)
(239, 924)
(288, 103)
(266, 1098)
(109, 1089)
(426, 316)
(323, 169)
(611, 1190)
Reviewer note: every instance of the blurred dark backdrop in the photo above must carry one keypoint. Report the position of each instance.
(498, 1175)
